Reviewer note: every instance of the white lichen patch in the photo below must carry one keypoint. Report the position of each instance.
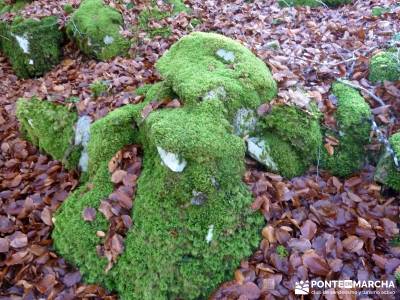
(31, 61)
(210, 234)
(23, 42)
(82, 136)
(226, 55)
(173, 161)
(108, 40)
(245, 121)
(30, 122)
(259, 150)
(218, 93)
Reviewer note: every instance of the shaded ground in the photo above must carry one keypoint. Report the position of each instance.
(330, 228)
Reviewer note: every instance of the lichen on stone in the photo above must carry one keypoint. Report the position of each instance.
(385, 66)
(50, 127)
(95, 27)
(353, 117)
(32, 46)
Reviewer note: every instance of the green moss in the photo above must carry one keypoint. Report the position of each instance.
(385, 66)
(68, 8)
(95, 28)
(169, 237)
(378, 11)
(196, 73)
(386, 171)
(33, 47)
(353, 117)
(14, 7)
(397, 276)
(49, 127)
(293, 137)
(98, 88)
(110, 134)
(178, 6)
(154, 14)
(313, 3)
(282, 251)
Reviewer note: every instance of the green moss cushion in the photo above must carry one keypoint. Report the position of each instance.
(313, 3)
(50, 127)
(386, 171)
(385, 66)
(191, 246)
(353, 117)
(95, 27)
(291, 138)
(207, 66)
(33, 47)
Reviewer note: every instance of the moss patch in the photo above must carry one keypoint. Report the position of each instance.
(50, 127)
(98, 88)
(293, 138)
(313, 3)
(33, 47)
(386, 171)
(207, 66)
(95, 28)
(353, 116)
(385, 66)
(14, 7)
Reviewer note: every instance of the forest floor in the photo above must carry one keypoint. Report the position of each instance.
(330, 228)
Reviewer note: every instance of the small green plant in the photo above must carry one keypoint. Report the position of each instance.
(378, 11)
(395, 242)
(68, 8)
(98, 88)
(282, 251)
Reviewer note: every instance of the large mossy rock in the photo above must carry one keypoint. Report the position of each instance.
(50, 127)
(385, 66)
(207, 66)
(288, 140)
(387, 172)
(353, 117)
(193, 221)
(33, 47)
(313, 3)
(95, 27)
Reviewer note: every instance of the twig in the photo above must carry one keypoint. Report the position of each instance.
(356, 86)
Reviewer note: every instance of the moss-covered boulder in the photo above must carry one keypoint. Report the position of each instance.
(288, 140)
(387, 172)
(95, 28)
(50, 127)
(207, 66)
(385, 66)
(353, 117)
(313, 3)
(32, 46)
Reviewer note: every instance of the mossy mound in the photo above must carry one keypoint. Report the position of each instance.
(33, 47)
(385, 66)
(207, 66)
(386, 171)
(190, 246)
(50, 127)
(353, 117)
(313, 3)
(95, 27)
(291, 139)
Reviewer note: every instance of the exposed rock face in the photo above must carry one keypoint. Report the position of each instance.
(388, 169)
(33, 47)
(95, 28)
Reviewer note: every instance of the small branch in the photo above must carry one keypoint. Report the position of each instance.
(356, 86)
